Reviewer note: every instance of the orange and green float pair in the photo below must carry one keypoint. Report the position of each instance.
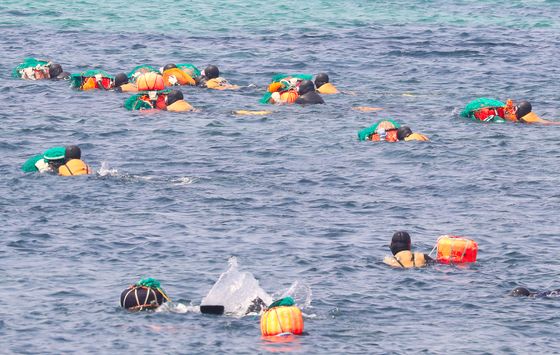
(286, 87)
(372, 132)
(92, 79)
(282, 317)
(151, 93)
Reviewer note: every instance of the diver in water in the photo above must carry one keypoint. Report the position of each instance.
(524, 292)
(323, 85)
(52, 159)
(307, 94)
(211, 79)
(403, 256)
(143, 295)
(491, 110)
(389, 131)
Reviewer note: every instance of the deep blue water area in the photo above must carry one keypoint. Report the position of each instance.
(293, 194)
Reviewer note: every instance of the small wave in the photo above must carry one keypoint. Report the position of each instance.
(177, 307)
(105, 170)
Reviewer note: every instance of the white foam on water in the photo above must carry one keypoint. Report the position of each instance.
(236, 290)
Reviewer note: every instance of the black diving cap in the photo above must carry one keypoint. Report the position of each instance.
(403, 132)
(174, 96)
(520, 291)
(305, 87)
(55, 70)
(211, 72)
(523, 108)
(72, 152)
(400, 242)
(120, 79)
(169, 66)
(321, 79)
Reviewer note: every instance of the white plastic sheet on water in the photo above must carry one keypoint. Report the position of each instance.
(236, 290)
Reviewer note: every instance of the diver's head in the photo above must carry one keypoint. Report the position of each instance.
(121, 79)
(520, 291)
(403, 132)
(400, 242)
(55, 157)
(55, 70)
(523, 108)
(321, 79)
(211, 72)
(305, 87)
(72, 152)
(169, 66)
(174, 96)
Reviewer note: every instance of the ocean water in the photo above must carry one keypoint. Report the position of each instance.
(292, 195)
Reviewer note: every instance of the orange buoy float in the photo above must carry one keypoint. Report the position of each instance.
(281, 317)
(456, 250)
(150, 82)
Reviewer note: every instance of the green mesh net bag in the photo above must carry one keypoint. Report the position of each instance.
(134, 103)
(283, 302)
(28, 63)
(139, 70)
(189, 68)
(363, 134)
(76, 80)
(483, 102)
(276, 78)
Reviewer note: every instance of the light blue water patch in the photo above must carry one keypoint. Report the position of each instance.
(200, 17)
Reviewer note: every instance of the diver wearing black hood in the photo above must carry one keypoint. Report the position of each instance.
(307, 94)
(211, 79)
(211, 72)
(403, 256)
(56, 72)
(524, 292)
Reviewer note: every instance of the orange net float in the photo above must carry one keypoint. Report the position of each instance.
(150, 82)
(289, 96)
(283, 316)
(456, 250)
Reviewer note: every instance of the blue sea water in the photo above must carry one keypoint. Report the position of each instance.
(293, 195)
